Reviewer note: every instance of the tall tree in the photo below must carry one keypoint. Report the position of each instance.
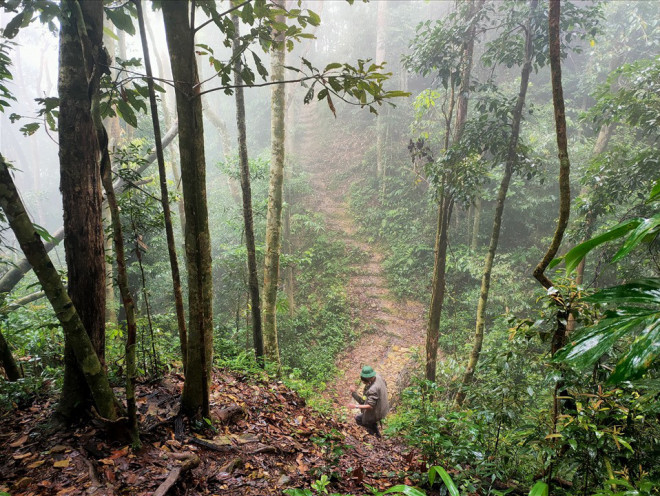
(81, 66)
(446, 203)
(180, 40)
(274, 213)
(77, 339)
(248, 220)
(164, 195)
(511, 159)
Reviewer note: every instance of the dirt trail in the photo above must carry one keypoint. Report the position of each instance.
(391, 330)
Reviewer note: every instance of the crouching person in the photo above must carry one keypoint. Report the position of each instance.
(373, 404)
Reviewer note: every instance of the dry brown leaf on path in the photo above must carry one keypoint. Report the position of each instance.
(20, 442)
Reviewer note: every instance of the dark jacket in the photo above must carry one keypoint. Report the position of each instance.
(375, 395)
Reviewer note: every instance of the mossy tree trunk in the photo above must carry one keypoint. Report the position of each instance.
(275, 192)
(180, 41)
(78, 340)
(248, 220)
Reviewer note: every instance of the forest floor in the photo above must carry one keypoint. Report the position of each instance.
(269, 440)
(391, 331)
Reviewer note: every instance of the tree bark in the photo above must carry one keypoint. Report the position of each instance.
(438, 286)
(274, 213)
(248, 219)
(7, 361)
(74, 330)
(164, 194)
(180, 41)
(127, 300)
(559, 336)
(80, 183)
(511, 160)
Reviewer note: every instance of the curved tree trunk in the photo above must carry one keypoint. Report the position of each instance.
(253, 277)
(180, 41)
(164, 195)
(7, 361)
(74, 331)
(499, 209)
(274, 214)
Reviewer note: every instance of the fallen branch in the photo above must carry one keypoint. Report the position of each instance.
(190, 461)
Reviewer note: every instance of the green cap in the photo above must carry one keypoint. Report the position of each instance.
(367, 372)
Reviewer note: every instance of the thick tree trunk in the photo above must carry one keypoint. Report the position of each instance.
(74, 331)
(80, 184)
(180, 41)
(512, 155)
(164, 194)
(12, 277)
(248, 220)
(274, 213)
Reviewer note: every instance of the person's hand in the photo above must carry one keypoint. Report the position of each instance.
(350, 406)
(352, 389)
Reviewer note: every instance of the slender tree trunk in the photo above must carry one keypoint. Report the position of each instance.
(248, 220)
(474, 242)
(74, 330)
(180, 40)
(127, 299)
(7, 359)
(559, 336)
(274, 213)
(80, 183)
(381, 36)
(164, 194)
(438, 286)
(512, 156)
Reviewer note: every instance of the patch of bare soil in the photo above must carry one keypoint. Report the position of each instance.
(392, 330)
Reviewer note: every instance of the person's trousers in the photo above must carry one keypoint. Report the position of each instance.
(371, 428)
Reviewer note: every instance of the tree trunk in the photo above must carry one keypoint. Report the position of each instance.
(74, 331)
(474, 242)
(274, 213)
(127, 299)
(468, 50)
(80, 184)
(381, 33)
(438, 286)
(7, 359)
(559, 336)
(226, 148)
(248, 219)
(512, 155)
(180, 41)
(164, 194)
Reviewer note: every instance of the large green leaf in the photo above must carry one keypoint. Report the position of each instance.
(539, 489)
(595, 341)
(446, 478)
(655, 192)
(644, 351)
(645, 291)
(645, 228)
(574, 256)
(407, 490)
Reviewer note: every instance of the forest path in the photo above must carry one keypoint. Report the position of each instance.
(391, 331)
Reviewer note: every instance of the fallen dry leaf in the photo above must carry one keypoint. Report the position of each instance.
(19, 442)
(62, 463)
(36, 464)
(22, 456)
